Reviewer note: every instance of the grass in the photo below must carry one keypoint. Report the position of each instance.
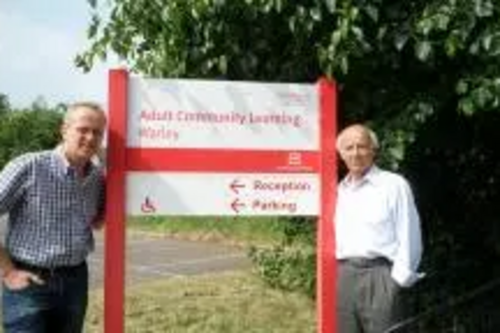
(221, 303)
(235, 230)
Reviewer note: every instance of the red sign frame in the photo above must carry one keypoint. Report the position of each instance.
(120, 160)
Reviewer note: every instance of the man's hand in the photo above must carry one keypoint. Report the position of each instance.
(98, 224)
(16, 279)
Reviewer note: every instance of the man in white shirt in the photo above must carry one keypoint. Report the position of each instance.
(378, 238)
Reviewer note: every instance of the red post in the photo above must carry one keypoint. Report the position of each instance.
(115, 205)
(326, 264)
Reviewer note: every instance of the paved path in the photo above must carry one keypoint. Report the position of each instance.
(149, 258)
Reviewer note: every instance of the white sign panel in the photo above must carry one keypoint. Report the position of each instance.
(222, 194)
(222, 114)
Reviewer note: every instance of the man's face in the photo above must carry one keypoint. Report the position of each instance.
(356, 150)
(82, 135)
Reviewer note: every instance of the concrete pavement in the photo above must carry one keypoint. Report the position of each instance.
(148, 257)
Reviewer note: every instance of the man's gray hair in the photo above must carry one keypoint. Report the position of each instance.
(371, 134)
(72, 108)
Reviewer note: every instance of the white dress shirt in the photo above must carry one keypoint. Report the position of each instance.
(376, 217)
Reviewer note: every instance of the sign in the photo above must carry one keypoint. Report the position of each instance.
(193, 147)
(222, 194)
(212, 129)
(166, 113)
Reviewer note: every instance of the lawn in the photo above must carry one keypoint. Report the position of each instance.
(221, 303)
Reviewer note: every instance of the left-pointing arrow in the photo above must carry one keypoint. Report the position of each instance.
(236, 186)
(237, 205)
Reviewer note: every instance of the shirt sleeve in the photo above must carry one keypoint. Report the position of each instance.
(12, 183)
(409, 239)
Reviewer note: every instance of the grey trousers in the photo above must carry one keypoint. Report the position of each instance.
(368, 299)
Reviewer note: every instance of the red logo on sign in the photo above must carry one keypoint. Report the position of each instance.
(148, 206)
(294, 158)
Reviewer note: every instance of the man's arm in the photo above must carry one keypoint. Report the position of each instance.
(10, 188)
(408, 233)
(6, 265)
(12, 185)
(12, 182)
(98, 221)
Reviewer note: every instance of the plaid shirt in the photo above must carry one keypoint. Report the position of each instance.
(51, 210)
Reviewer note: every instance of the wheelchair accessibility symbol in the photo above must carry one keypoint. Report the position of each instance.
(148, 206)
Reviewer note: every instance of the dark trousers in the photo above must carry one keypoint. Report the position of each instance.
(368, 299)
(57, 306)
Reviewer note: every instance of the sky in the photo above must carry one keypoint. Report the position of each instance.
(38, 43)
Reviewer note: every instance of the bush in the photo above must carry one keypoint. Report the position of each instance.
(290, 265)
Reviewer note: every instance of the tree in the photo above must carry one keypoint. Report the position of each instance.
(398, 62)
(4, 104)
(28, 130)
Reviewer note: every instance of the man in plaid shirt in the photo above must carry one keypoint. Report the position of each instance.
(54, 199)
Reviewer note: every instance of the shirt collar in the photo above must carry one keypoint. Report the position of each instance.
(59, 153)
(68, 169)
(370, 176)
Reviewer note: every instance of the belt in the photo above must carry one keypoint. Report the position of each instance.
(47, 272)
(365, 262)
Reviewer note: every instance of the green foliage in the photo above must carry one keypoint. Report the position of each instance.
(298, 230)
(287, 268)
(455, 166)
(4, 104)
(290, 265)
(208, 38)
(397, 62)
(22, 131)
